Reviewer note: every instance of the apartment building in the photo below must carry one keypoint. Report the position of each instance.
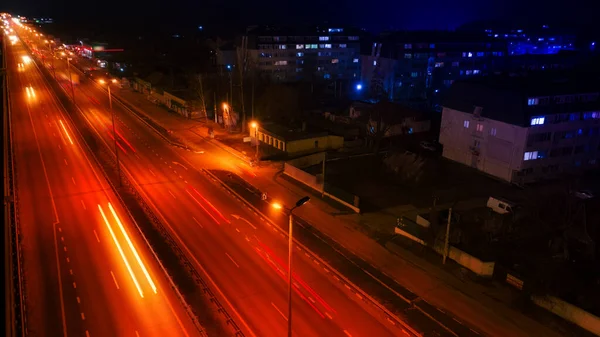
(523, 129)
(409, 65)
(292, 54)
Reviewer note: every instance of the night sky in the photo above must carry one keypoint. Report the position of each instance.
(372, 14)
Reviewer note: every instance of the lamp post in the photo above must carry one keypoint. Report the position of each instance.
(290, 246)
(112, 114)
(70, 79)
(255, 127)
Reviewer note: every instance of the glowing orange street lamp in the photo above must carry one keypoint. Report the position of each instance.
(254, 125)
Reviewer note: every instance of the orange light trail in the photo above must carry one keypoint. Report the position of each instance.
(205, 210)
(298, 279)
(118, 144)
(132, 247)
(211, 205)
(137, 285)
(65, 129)
(125, 140)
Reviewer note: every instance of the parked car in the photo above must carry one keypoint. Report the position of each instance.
(583, 194)
(429, 146)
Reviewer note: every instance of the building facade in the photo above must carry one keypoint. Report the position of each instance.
(424, 64)
(523, 129)
(288, 55)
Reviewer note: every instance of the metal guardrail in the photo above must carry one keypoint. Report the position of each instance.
(16, 320)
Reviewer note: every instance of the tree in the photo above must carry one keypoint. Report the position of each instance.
(379, 123)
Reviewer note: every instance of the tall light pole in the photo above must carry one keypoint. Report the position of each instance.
(290, 246)
(112, 114)
(70, 79)
(255, 127)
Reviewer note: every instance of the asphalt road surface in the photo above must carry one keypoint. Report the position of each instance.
(245, 258)
(88, 272)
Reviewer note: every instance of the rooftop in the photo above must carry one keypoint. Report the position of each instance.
(505, 98)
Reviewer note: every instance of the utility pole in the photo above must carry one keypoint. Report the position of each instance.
(324, 160)
(252, 95)
(202, 96)
(447, 235)
(215, 102)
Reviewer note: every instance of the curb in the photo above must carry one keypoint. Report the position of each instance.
(391, 317)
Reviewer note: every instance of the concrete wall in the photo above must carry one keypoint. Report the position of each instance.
(569, 312)
(307, 161)
(323, 143)
(303, 177)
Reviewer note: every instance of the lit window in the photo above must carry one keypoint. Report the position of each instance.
(479, 127)
(530, 155)
(591, 115)
(407, 56)
(355, 61)
(455, 64)
(335, 60)
(538, 120)
(414, 74)
(322, 45)
(313, 46)
(479, 54)
(299, 46)
(327, 76)
(281, 63)
(408, 46)
(323, 38)
(469, 72)
(475, 72)
(298, 70)
(342, 45)
(439, 64)
(300, 54)
(353, 38)
(532, 101)
(469, 54)
(328, 46)
(374, 63)
(282, 46)
(466, 124)
(432, 46)
(493, 131)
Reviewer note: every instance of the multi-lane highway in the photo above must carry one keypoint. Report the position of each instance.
(245, 258)
(88, 271)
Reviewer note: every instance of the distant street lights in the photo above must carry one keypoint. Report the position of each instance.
(290, 246)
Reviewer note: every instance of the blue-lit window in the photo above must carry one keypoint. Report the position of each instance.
(323, 38)
(374, 62)
(475, 72)
(469, 54)
(408, 46)
(569, 135)
(300, 46)
(480, 54)
(532, 101)
(579, 132)
(328, 46)
(469, 72)
(538, 120)
(530, 155)
(355, 61)
(574, 116)
(414, 74)
(407, 56)
(327, 76)
(299, 54)
(342, 45)
(591, 115)
(466, 124)
(432, 45)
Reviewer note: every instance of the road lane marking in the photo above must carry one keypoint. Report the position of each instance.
(59, 147)
(71, 271)
(65, 248)
(152, 172)
(114, 279)
(347, 333)
(328, 315)
(82, 316)
(66, 163)
(68, 260)
(73, 179)
(137, 333)
(232, 260)
(279, 311)
(62, 238)
(96, 234)
(235, 216)
(199, 224)
(83, 204)
(87, 333)
(74, 285)
(173, 195)
(78, 300)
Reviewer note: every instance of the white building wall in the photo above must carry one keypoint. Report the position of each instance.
(493, 147)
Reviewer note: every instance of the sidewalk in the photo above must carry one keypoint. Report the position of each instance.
(486, 308)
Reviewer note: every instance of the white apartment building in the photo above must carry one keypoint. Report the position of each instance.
(523, 129)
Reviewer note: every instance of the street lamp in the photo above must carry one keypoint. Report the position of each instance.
(112, 113)
(254, 125)
(290, 246)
